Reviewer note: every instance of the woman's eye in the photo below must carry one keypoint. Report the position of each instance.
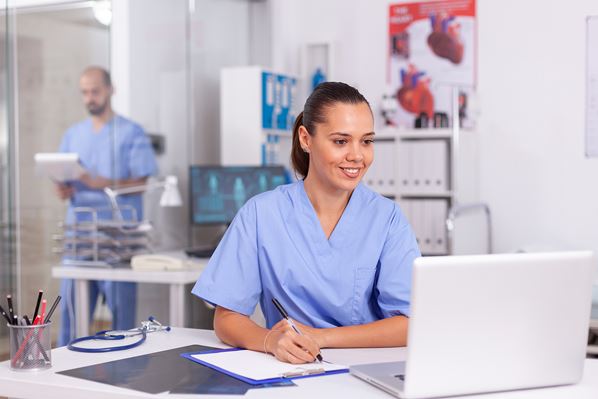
(368, 141)
(340, 142)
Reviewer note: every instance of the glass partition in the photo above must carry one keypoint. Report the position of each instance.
(7, 253)
(53, 44)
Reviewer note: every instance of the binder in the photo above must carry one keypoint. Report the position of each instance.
(259, 368)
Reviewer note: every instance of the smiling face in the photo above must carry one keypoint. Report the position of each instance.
(341, 148)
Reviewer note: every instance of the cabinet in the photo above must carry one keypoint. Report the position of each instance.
(257, 112)
(427, 171)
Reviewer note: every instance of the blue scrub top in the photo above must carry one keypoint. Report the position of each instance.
(120, 150)
(275, 247)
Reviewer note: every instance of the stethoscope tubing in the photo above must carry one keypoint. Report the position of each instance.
(102, 336)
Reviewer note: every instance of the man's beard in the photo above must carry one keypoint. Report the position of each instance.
(95, 109)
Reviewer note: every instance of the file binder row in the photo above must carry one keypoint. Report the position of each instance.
(423, 167)
(382, 173)
(427, 218)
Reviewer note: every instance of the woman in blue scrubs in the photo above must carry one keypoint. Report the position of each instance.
(335, 254)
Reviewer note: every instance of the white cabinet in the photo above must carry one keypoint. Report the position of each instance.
(257, 112)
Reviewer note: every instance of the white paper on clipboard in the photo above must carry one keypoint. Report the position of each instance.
(58, 166)
(592, 86)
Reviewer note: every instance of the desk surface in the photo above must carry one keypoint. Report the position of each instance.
(51, 385)
(183, 276)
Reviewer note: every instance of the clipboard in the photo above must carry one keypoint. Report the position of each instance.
(249, 366)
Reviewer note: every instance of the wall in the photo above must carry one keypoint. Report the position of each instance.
(531, 60)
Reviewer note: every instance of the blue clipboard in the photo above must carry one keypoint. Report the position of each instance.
(251, 381)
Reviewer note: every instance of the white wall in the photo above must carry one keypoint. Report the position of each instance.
(532, 86)
(531, 61)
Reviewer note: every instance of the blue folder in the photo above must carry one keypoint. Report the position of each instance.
(251, 381)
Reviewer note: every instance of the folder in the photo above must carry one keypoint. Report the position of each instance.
(259, 368)
(59, 167)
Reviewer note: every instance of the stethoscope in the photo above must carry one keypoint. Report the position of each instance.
(149, 326)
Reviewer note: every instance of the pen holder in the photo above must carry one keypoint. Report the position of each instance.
(30, 347)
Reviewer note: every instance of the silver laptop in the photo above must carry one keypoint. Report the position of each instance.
(487, 323)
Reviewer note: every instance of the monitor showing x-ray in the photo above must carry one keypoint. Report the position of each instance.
(218, 192)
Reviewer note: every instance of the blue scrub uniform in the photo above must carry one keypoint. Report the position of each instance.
(276, 248)
(121, 150)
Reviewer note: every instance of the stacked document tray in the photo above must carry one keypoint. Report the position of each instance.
(94, 241)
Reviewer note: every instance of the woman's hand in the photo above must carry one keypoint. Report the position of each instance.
(288, 346)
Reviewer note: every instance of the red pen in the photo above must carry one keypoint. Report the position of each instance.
(43, 311)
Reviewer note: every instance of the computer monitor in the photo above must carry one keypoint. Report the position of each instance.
(218, 192)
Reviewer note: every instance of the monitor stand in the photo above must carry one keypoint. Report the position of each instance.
(206, 250)
(201, 252)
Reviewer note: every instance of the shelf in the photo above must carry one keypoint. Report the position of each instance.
(446, 194)
(416, 134)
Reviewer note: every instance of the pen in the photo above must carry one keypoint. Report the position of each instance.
(51, 311)
(284, 314)
(10, 309)
(43, 312)
(39, 299)
(8, 320)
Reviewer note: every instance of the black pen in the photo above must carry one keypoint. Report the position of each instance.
(51, 311)
(9, 321)
(39, 299)
(10, 309)
(284, 314)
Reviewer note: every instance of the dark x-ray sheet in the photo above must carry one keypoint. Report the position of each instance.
(164, 371)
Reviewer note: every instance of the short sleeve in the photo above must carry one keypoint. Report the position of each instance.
(64, 143)
(142, 161)
(396, 265)
(232, 277)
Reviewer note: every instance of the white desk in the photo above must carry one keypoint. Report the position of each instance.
(175, 279)
(49, 385)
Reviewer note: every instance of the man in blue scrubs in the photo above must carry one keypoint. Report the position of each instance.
(115, 152)
(335, 254)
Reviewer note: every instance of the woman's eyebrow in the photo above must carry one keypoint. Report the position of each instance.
(349, 135)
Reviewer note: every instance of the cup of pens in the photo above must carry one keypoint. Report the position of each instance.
(30, 346)
(30, 340)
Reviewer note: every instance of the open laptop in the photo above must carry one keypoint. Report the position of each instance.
(485, 323)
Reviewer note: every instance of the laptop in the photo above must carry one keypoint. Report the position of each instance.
(486, 323)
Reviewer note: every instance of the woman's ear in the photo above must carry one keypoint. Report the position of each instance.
(304, 139)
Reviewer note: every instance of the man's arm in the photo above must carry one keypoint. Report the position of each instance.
(100, 183)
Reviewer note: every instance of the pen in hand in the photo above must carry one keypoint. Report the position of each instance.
(284, 314)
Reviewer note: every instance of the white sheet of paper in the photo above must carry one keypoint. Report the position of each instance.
(257, 365)
(58, 166)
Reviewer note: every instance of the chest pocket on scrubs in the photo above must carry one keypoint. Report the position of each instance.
(362, 293)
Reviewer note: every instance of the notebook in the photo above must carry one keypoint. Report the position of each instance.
(260, 368)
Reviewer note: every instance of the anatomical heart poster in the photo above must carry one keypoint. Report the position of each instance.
(432, 49)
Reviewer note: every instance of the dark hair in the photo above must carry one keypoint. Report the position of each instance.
(105, 74)
(324, 95)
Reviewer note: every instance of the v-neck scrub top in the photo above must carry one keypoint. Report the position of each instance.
(276, 248)
(120, 150)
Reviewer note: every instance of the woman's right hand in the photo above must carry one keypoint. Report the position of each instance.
(288, 346)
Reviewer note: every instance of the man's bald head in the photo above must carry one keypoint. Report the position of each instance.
(96, 71)
(96, 89)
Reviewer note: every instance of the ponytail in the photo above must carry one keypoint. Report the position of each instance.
(299, 158)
